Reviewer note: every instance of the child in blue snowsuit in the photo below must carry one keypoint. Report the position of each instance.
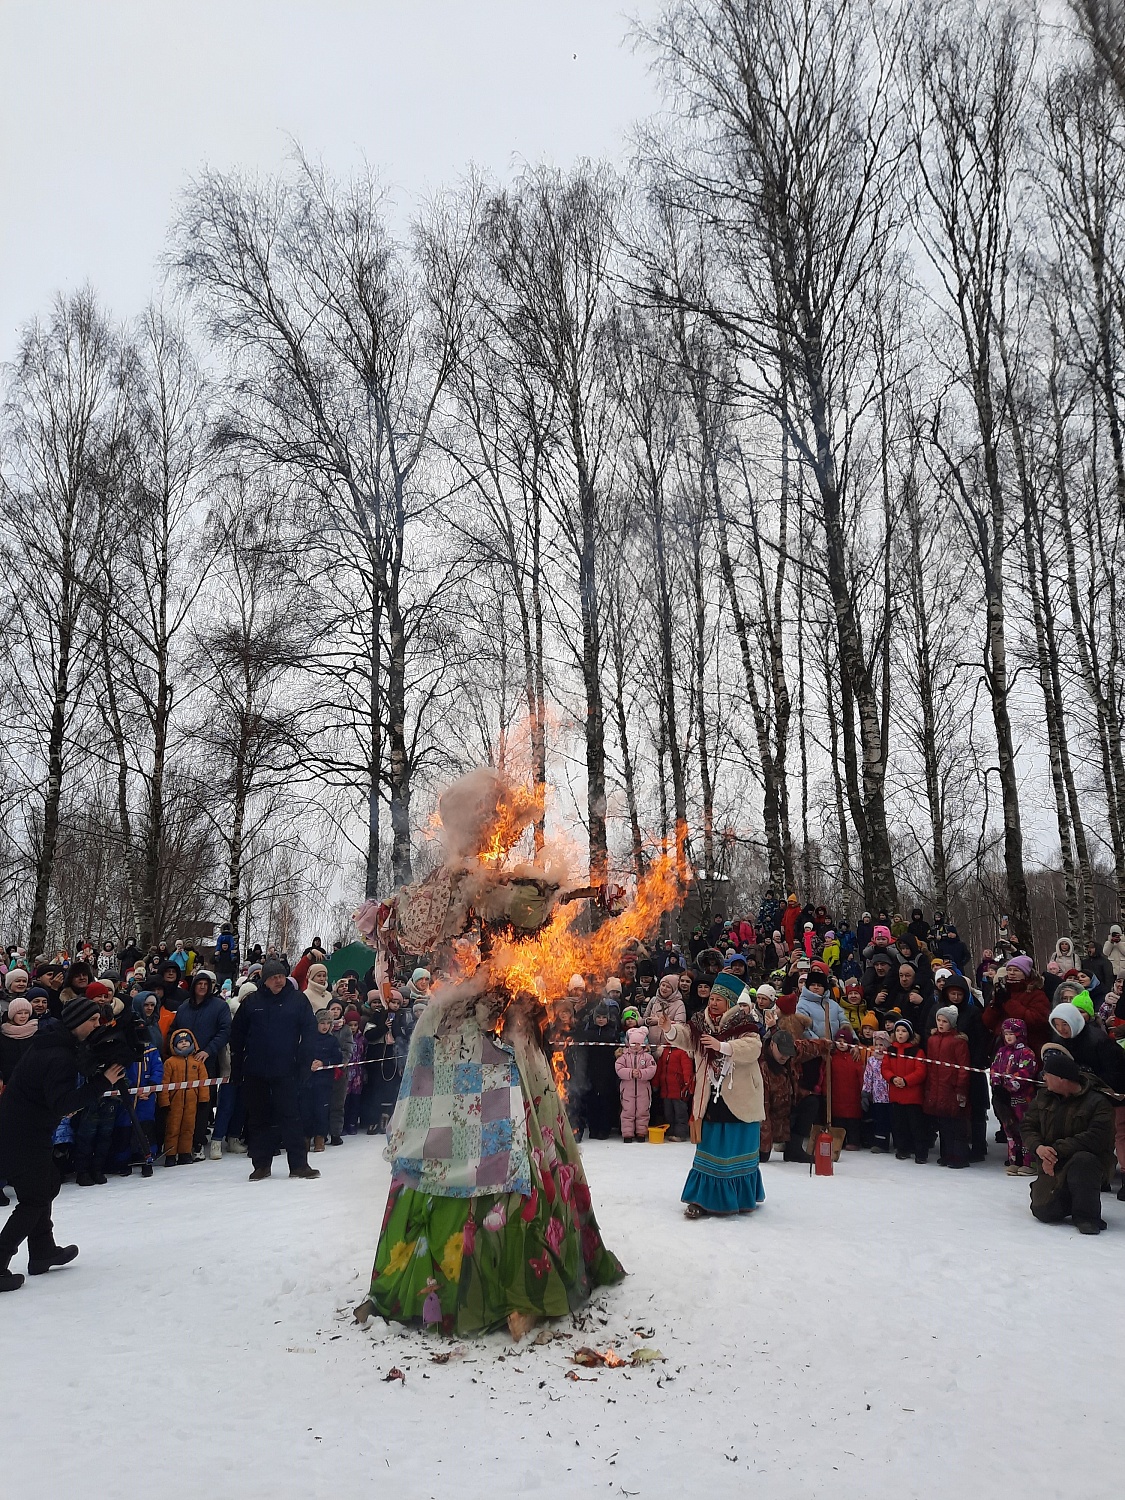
(149, 1072)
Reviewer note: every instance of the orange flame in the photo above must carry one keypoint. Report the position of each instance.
(543, 964)
(518, 809)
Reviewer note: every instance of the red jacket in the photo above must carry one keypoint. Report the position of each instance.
(675, 1074)
(908, 1064)
(944, 1084)
(789, 920)
(1017, 1002)
(847, 1086)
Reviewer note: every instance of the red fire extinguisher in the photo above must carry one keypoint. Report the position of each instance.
(822, 1154)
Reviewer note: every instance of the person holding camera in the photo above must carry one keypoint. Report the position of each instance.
(42, 1090)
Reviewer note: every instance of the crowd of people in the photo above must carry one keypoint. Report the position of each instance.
(911, 1038)
(256, 1043)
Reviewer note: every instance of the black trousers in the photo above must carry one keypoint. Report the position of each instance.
(910, 1131)
(34, 1179)
(953, 1133)
(273, 1118)
(1078, 1196)
(676, 1114)
(806, 1114)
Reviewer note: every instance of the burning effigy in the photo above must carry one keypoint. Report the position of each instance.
(489, 1220)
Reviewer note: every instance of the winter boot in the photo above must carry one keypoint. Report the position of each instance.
(318, 1143)
(186, 1158)
(85, 1179)
(337, 1140)
(170, 1159)
(61, 1255)
(259, 1174)
(306, 1172)
(10, 1281)
(236, 1147)
(216, 1149)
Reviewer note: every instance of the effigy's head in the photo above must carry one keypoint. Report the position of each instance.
(484, 813)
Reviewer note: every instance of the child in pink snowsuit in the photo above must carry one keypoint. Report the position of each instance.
(1012, 1076)
(636, 1067)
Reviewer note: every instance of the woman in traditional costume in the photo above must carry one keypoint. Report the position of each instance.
(728, 1104)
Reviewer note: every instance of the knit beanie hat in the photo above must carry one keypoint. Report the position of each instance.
(1070, 1014)
(1021, 962)
(273, 967)
(902, 1021)
(80, 1009)
(1059, 1063)
(1083, 1002)
(869, 1018)
(883, 1037)
(950, 1013)
(182, 1042)
(630, 1014)
(767, 994)
(729, 986)
(881, 937)
(98, 991)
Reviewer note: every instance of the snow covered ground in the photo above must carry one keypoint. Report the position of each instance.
(896, 1331)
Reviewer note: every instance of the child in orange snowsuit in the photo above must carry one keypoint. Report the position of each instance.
(182, 1066)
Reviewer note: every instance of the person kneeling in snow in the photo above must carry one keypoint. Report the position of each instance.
(1068, 1129)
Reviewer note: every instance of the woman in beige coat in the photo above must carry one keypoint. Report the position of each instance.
(728, 1104)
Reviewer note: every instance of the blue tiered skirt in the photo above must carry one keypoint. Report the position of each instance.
(725, 1177)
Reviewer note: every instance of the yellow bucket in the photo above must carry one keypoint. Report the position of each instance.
(656, 1134)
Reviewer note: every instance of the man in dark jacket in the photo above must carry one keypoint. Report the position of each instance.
(207, 1016)
(1068, 1129)
(919, 928)
(44, 1088)
(271, 1046)
(953, 950)
(881, 989)
(50, 977)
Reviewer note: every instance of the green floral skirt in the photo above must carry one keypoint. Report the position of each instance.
(469, 1262)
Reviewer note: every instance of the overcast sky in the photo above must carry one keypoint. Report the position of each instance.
(108, 106)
